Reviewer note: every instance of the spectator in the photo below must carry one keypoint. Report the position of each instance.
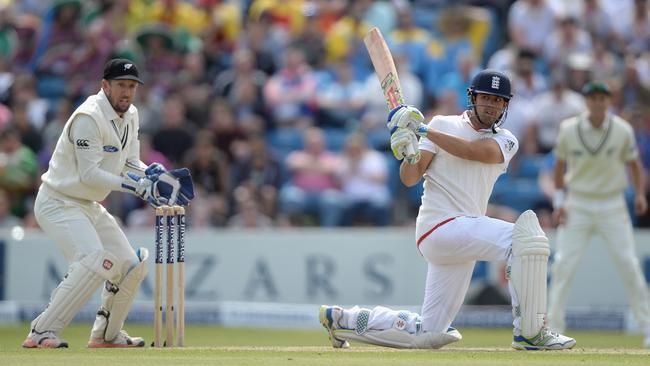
(342, 101)
(7, 219)
(529, 23)
(312, 38)
(224, 128)
(458, 78)
(60, 36)
(248, 214)
(174, 137)
(567, 38)
(526, 81)
(29, 135)
(257, 168)
(635, 37)
(313, 188)
(18, 170)
(193, 86)
(291, 91)
(162, 60)
(210, 170)
(243, 85)
(596, 20)
(52, 131)
(551, 108)
(23, 92)
(410, 39)
(363, 174)
(243, 67)
(27, 28)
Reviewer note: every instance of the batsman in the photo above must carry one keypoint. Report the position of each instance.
(99, 152)
(460, 158)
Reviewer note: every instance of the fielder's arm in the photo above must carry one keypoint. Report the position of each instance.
(558, 174)
(559, 213)
(638, 181)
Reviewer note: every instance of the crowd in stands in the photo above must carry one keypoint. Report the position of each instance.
(275, 107)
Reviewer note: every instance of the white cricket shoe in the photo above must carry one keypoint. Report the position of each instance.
(46, 339)
(329, 317)
(123, 340)
(544, 340)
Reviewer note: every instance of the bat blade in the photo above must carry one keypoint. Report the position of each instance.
(382, 61)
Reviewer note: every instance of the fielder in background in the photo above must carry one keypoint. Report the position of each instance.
(99, 152)
(460, 158)
(592, 151)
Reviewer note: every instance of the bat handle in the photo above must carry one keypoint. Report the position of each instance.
(409, 150)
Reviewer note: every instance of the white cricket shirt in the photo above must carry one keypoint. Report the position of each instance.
(454, 186)
(95, 148)
(596, 157)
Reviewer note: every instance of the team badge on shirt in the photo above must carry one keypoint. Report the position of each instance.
(509, 145)
(82, 144)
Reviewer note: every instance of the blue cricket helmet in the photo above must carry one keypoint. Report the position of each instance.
(491, 82)
(494, 83)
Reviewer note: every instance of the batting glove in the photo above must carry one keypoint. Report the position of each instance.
(404, 145)
(404, 116)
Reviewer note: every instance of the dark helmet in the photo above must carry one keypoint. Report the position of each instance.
(491, 82)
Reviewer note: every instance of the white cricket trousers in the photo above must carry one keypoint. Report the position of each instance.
(80, 228)
(610, 220)
(451, 248)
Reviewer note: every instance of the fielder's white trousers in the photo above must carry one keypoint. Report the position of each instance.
(610, 220)
(451, 248)
(79, 228)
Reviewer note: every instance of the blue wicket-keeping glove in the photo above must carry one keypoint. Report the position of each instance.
(175, 187)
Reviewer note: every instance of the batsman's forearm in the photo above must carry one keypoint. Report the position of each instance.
(409, 174)
(454, 145)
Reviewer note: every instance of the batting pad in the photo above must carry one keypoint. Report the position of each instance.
(83, 278)
(396, 338)
(527, 272)
(117, 300)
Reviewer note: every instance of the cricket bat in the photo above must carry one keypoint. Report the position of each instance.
(382, 60)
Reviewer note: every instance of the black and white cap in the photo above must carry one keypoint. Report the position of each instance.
(121, 69)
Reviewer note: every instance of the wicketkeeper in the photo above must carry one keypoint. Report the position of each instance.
(99, 152)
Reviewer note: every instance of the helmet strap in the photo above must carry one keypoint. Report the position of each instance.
(496, 124)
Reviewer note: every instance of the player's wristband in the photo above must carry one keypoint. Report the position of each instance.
(422, 131)
(558, 198)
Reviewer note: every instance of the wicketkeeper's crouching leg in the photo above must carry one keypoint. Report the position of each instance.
(382, 327)
(527, 272)
(79, 284)
(116, 301)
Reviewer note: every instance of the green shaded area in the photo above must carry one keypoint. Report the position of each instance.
(246, 346)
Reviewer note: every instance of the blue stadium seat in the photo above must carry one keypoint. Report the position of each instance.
(335, 138)
(285, 140)
(520, 194)
(529, 166)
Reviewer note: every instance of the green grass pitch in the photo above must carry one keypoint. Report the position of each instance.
(246, 346)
